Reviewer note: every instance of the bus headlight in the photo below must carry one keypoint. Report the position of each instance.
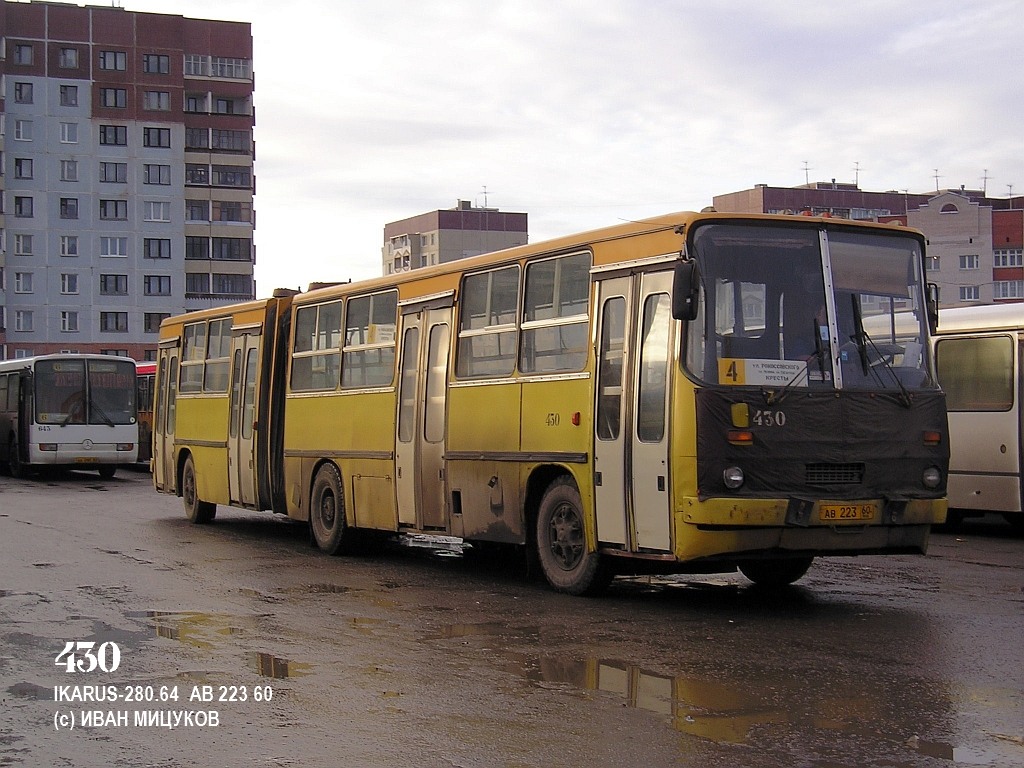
(732, 477)
(931, 477)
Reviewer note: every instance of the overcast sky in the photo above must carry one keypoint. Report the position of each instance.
(587, 113)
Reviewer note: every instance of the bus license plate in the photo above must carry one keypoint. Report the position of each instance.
(848, 513)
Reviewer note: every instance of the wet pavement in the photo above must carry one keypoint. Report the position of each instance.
(280, 656)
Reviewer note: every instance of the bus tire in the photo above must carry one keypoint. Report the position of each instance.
(327, 510)
(775, 573)
(197, 511)
(562, 543)
(107, 471)
(17, 469)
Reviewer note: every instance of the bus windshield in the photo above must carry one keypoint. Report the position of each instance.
(85, 392)
(805, 307)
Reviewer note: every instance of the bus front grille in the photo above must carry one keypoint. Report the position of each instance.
(834, 474)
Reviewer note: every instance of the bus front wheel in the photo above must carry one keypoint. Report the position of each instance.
(775, 573)
(196, 510)
(327, 510)
(562, 545)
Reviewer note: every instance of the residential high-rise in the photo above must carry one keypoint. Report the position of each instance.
(449, 234)
(127, 174)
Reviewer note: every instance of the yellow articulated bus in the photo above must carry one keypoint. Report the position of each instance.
(689, 393)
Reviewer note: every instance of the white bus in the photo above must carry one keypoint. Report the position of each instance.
(68, 410)
(978, 353)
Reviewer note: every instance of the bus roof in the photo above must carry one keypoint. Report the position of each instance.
(990, 317)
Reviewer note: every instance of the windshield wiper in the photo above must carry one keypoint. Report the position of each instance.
(95, 410)
(861, 338)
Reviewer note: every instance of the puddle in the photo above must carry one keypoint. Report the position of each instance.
(31, 691)
(268, 665)
(712, 710)
(316, 589)
(200, 630)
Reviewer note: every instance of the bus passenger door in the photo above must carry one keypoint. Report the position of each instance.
(245, 352)
(631, 413)
(165, 407)
(422, 396)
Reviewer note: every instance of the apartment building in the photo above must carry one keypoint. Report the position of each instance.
(127, 182)
(446, 235)
(975, 243)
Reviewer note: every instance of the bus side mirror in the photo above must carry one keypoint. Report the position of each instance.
(685, 290)
(932, 301)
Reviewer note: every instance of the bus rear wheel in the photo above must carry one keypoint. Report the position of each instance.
(327, 510)
(107, 471)
(562, 545)
(775, 573)
(197, 511)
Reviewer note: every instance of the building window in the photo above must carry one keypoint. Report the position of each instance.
(23, 54)
(969, 262)
(23, 130)
(151, 321)
(195, 64)
(23, 168)
(114, 173)
(1009, 257)
(970, 293)
(1009, 289)
(69, 207)
(236, 286)
(197, 248)
(23, 207)
(197, 138)
(232, 210)
(229, 141)
(236, 69)
(197, 283)
(23, 93)
(156, 64)
(23, 320)
(231, 249)
(69, 321)
(232, 176)
(197, 210)
(23, 245)
(69, 283)
(225, 106)
(157, 285)
(114, 135)
(114, 285)
(69, 170)
(114, 246)
(116, 322)
(949, 208)
(69, 245)
(156, 100)
(156, 137)
(197, 174)
(156, 211)
(114, 210)
(69, 133)
(114, 97)
(114, 60)
(157, 174)
(68, 58)
(195, 104)
(69, 95)
(931, 263)
(23, 282)
(156, 248)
